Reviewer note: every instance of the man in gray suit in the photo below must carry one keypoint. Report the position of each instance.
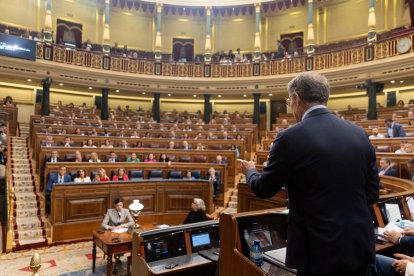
(115, 218)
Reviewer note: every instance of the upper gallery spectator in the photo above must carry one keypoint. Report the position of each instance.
(3, 136)
(81, 176)
(113, 157)
(133, 158)
(386, 168)
(375, 134)
(394, 129)
(280, 50)
(120, 175)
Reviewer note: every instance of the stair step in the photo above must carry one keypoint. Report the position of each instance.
(28, 223)
(24, 205)
(30, 241)
(34, 212)
(25, 196)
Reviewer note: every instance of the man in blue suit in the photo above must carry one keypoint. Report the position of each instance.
(60, 177)
(394, 129)
(329, 168)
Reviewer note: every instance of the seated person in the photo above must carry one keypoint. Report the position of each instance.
(219, 160)
(49, 142)
(94, 158)
(115, 218)
(54, 158)
(107, 144)
(89, 144)
(386, 168)
(81, 176)
(197, 213)
(375, 134)
(60, 177)
(101, 176)
(78, 156)
(215, 180)
(186, 146)
(113, 157)
(188, 175)
(150, 159)
(124, 144)
(387, 266)
(164, 158)
(68, 143)
(133, 158)
(120, 175)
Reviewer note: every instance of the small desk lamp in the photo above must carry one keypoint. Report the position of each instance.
(135, 208)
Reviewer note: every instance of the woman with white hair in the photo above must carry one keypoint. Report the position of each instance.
(197, 213)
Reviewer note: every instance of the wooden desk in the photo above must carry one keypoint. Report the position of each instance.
(104, 242)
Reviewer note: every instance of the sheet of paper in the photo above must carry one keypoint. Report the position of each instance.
(393, 212)
(410, 204)
(120, 230)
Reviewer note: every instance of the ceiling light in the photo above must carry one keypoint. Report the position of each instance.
(29, 80)
(393, 81)
(401, 81)
(183, 20)
(244, 95)
(238, 20)
(117, 91)
(270, 94)
(90, 88)
(169, 95)
(143, 93)
(219, 96)
(195, 96)
(61, 84)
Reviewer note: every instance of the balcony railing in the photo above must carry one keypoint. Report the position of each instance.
(354, 55)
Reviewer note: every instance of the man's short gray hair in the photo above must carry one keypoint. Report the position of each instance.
(310, 87)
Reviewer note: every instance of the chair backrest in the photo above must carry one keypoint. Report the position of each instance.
(184, 158)
(215, 147)
(171, 157)
(155, 174)
(200, 159)
(93, 175)
(136, 174)
(384, 149)
(73, 175)
(175, 175)
(196, 174)
(69, 157)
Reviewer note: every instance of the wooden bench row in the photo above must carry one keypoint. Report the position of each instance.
(146, 168)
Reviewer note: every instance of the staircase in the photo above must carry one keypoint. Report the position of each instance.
(29, 231)
(231, 205)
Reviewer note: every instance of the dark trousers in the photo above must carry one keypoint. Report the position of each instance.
(47, 203)
(369, 270)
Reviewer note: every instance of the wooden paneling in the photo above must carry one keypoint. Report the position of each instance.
(79, 208)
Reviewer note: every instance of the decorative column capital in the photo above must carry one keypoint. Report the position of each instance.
(159, 7)
(208, 10)
(257, 7)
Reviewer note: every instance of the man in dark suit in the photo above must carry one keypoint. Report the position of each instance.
(113, 158)
(60, 177)
(386, 168)
(394, 129)
(54, 158)
(329, 168)
(215, 180)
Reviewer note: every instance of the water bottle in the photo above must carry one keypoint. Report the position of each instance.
(256, 253)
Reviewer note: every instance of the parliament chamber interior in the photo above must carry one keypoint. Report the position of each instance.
(144, 107)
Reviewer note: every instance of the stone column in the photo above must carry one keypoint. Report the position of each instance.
(373, 88)
(156, 113)
(257, 41)
(104, 104)
(207, 50)
(372, 34)
(158, 35)
(106, 48)
(311, 34)
(48, 31)
(207, 108)
(46, 96)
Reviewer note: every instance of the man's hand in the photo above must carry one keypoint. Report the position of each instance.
(404, 257)
(408, 232)
(246, 165)
(392, 236)
(400, 266)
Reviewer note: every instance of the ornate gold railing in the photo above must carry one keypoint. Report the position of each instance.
(354, 55)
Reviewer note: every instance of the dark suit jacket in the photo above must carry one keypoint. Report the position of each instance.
(329, 168)
(391, 172)
(398, 130)
(49, 159)
(55, 179)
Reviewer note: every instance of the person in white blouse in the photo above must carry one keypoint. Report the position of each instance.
(82, 177)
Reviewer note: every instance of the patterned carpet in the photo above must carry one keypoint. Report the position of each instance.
(63, 260)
